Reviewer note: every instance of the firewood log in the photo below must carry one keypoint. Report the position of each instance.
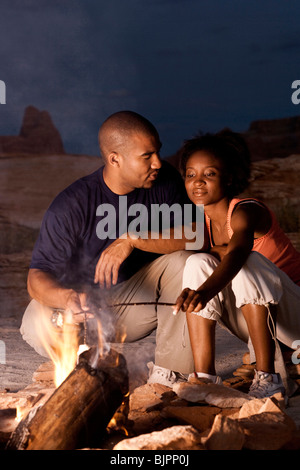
(79, 410)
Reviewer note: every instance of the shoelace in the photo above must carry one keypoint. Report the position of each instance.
(167, 374)
(171, 375)
(260, 384)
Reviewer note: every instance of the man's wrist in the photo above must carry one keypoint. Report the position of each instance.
(67, 295)
(130, 238)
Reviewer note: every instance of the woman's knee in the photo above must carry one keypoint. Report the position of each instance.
(257, 282)
(201, 261)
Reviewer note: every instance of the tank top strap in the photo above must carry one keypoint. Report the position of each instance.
(233, 205)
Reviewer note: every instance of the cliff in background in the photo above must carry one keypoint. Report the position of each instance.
(37, 135)
(275, 138)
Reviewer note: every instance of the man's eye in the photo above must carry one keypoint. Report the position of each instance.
(190, 175)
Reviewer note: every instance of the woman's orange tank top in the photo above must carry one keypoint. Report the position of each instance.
(274, 245)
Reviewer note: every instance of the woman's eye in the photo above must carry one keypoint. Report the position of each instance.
(189, 175)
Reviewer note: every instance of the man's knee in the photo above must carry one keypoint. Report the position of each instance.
(36, 323)
(176, 261)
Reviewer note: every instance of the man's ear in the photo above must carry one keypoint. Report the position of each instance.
(113, 159)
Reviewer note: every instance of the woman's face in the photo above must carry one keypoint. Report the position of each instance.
(204, 178)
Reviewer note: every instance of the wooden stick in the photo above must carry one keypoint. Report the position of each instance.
(125, 304)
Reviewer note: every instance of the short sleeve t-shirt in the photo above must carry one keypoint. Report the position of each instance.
(87, 216)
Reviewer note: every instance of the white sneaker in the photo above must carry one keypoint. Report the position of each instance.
(266, 385)
(160, 375)
(215, 379)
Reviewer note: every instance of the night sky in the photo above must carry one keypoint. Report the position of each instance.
(187, 65)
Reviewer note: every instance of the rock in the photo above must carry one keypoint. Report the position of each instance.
(293, 410)
(245, 371)
(147, 396)
(145, 404)
(246, 358)
(273, 183)
(200, 417)
(273, 404)
(172, 438)
(44, 373)
(217, 395)
(251, 407)
(267, 430)
(269, 138)
(225, 434)
(37, 135)
(294, 443)
(273, 138)
(239, 383)
(294, 370)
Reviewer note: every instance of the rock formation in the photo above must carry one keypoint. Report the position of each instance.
(274, 138)
(38, 135)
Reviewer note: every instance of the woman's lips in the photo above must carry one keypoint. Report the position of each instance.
(199, 193)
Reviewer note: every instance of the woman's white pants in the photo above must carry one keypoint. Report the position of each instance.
(258, 282)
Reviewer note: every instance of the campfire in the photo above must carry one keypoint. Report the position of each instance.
(91, 381)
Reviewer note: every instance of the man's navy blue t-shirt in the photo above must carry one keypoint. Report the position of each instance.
(68, 245)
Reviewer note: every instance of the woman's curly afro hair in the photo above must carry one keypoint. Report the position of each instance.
(230, 149)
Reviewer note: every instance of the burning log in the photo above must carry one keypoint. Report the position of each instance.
(79, 410)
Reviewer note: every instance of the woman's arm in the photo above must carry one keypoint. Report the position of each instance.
(243, 223)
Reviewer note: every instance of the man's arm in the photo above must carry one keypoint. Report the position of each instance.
(43, 287)
(107, 268)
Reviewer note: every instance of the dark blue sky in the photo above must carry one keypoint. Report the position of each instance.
(185, 64)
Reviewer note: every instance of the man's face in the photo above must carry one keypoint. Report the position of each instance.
(139, 161)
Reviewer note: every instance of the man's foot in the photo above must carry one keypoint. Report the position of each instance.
(160, 375)
(215, 379)
(265, 384)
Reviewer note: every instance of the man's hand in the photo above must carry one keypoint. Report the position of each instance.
(107, 269)
(77, 304)
(190, 301)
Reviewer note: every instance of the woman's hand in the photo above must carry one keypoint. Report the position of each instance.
(190, 301)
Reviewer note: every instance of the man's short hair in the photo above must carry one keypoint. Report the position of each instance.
(118, 127)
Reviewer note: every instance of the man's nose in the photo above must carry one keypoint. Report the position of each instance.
(155, 161)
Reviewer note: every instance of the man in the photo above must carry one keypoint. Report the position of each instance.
(81, 255)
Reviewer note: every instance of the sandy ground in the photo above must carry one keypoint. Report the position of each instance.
(21, 360)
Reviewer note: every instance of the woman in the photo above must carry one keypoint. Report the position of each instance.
(250, 280)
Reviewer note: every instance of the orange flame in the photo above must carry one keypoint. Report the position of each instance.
(61, 343)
